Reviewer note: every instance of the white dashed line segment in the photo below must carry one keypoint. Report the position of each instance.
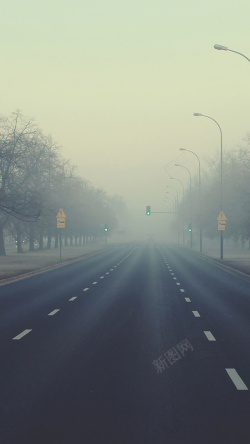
(196, 314)
(21, 335)
(182, 290)
(94, 283)
(187, 300)
(209, 336)
(239, 384)
(85, 289)
(52, 313)
(72, 299)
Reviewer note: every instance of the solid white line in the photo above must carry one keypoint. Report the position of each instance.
(187, 300)
(21, 335)
(239, 384)
(94, 283)
(182, 290)
(209, 336)
(72, 299)
(85, 289)
(196, 314)
(52, 313)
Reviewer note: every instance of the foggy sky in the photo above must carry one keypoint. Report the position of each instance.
(116, 84)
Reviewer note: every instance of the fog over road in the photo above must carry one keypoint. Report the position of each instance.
(139, 344)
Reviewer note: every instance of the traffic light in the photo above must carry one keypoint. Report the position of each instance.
(106, 229)
(148, 211)
(190, 228)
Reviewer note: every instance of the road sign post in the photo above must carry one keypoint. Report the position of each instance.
(222, 219)
(60, 217)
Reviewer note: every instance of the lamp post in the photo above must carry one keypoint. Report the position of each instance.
(192, 152)
(225, 48)
(174, 178)
(190, 206)
(221, 177)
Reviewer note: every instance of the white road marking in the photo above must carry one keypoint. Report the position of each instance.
(107, 272)
(182, 290)
(175, 278)
(85, 289)
(72, 299)
(239, 384)
(178, 283)
(52, 313)
(187, 300)
(196, 314)
(111, 269)
(101, 277)
(94, 283)
(172, 274)
(21, 335)
(115, 266)
(209, 336)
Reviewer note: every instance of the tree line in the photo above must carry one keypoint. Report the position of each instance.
(36, 181)
(236, 196)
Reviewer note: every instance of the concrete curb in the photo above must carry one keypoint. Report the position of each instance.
(219, 264)
(41, 270)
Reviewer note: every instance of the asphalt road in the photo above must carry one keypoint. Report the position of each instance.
(141, 344)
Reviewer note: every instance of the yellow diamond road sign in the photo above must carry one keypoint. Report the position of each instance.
(61, 218)
(222, 216)
(61, 213)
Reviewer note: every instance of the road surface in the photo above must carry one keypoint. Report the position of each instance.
(140, 344)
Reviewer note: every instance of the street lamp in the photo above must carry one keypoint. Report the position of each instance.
(192, 152)
(221, 177)
(225, 48)
(190, 207)
(174, 178)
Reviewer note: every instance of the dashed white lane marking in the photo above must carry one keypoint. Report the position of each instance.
(175, 278)
(178, 283)
(209, 336)
(107, 272)
(101, 277)
(72, 299)
(172, 274)
(52, 313)
(21, 335)
(182, 290)
(115, 266)
(94, 283)
(187, 300)
(239, 384)
(196, 314)
(85, 289)
(111, 269)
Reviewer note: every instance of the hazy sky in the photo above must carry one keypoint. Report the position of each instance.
(116, 83)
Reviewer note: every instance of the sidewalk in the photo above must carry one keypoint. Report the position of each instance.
(238, 259)
(15, 264)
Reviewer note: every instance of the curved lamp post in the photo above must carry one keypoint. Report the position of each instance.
(190, 206)
(174, 178)
(221, 176)
(192, 152)
(225, 48)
